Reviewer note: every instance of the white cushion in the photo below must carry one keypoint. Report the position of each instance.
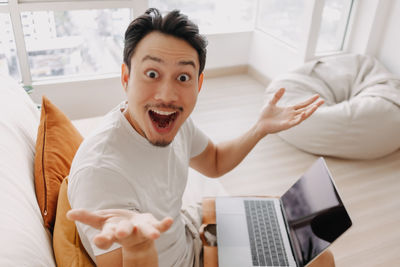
(24, 241)
(361, 116)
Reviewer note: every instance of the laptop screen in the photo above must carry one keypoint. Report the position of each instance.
(314, 212)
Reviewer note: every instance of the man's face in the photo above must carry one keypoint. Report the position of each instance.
(161, 87)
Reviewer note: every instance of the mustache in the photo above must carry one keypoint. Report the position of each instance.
(163, 105)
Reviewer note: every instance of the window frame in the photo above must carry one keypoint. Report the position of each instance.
(344, 26)
(310, 31)
(14, 8)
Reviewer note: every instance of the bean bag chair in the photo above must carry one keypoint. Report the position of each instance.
(361, 115)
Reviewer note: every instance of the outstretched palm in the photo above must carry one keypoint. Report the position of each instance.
(275, 118)
(125, 227)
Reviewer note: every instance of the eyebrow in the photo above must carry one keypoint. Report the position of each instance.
(187, 62)
(148, 57)
(159, 60)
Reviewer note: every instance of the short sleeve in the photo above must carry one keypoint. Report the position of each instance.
(97, 188)
(198, 137)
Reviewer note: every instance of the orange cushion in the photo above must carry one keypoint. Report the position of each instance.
(56, 145)
(68, 249)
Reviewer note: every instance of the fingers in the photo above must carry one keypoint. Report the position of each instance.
(277, 96)
(314, 107)
(124, 229)
(86, 217)
(106, 238)
(307, 112)
(148, 231)
(306, 103)
(132, 231)
(155, 228)
(165, 224)
(308, 106)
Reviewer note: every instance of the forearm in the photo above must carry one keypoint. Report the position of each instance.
(216, 160)
(219, 159)
(145, 256)
(229, 154)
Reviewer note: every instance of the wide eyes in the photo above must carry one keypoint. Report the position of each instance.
(183, 77)
(152, 74)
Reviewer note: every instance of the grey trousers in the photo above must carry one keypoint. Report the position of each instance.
(192, 218)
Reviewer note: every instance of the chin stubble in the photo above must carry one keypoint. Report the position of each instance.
(159, 143)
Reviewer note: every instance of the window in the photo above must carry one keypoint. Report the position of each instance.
(335, 18)
(214, 16)
(75, 42)
(283, 19)
(8, 51)
(64, 38)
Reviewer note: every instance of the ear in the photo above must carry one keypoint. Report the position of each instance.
(201, 77)
(124, 76)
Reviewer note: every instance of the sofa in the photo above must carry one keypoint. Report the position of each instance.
(24, 239)
(36, 152)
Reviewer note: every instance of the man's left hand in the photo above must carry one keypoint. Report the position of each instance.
(275, 118)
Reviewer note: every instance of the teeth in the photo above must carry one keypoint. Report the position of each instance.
(164, 113)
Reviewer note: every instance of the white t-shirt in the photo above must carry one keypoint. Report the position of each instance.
(115, 167)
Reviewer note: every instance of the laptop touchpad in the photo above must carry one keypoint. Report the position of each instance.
(233, 229)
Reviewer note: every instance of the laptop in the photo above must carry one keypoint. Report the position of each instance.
(288, 231)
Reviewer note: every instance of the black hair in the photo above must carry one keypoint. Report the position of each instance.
(173, 23)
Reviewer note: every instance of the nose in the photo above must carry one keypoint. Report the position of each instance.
(166, 92)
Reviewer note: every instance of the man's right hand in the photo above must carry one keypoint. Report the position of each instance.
(135, 232)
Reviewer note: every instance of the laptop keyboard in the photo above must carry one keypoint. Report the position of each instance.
(266, 243)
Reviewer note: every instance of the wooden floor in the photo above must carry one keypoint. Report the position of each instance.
(229, 105)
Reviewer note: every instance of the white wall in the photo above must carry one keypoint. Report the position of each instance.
(82, 98)
(271, 57)
(228, 50)
(375, 31)
(89, 98)
(363, 17)
(388, 49)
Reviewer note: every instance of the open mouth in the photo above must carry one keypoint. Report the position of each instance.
(163, 120)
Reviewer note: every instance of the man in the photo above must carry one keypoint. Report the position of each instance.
(131, 173)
